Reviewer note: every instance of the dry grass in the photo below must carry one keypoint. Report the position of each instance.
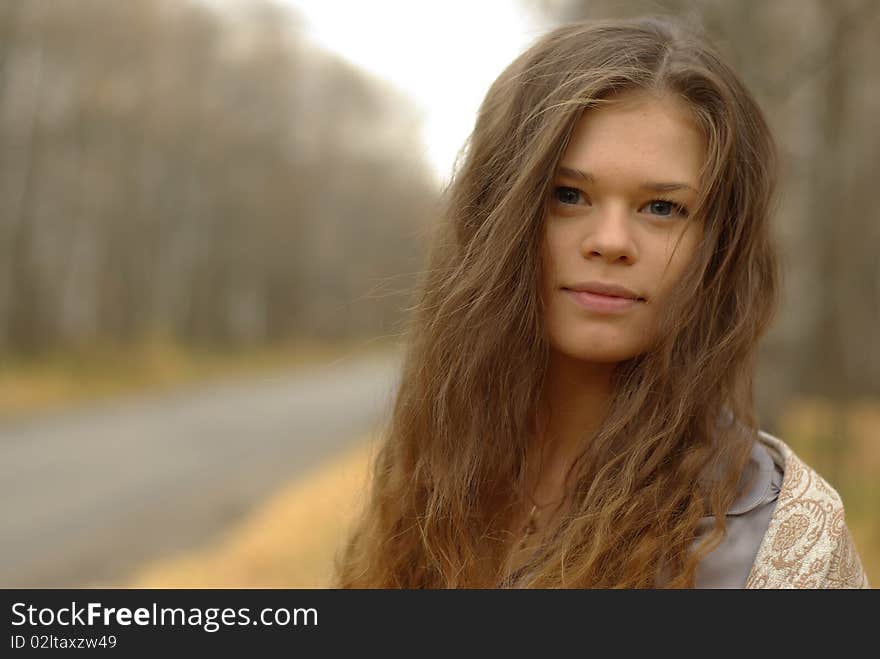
(288, 543)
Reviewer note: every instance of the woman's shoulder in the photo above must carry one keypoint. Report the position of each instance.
(807, 544)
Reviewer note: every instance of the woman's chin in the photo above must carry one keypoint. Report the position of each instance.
(596, 354)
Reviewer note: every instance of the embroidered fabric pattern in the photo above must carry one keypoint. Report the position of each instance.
(808, 544)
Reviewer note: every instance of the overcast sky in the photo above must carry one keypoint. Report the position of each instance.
(442, 54)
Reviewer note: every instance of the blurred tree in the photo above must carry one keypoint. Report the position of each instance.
(207, 176)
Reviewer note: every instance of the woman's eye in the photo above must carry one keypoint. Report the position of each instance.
(566, 195)
(660, 207)
(665, 208)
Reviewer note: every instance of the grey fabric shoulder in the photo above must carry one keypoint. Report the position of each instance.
(748, 519)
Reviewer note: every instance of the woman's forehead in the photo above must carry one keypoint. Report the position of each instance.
(643, 136)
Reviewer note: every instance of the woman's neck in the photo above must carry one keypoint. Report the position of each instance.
(575, 401)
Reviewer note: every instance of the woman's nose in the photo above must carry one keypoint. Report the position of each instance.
(608, 235)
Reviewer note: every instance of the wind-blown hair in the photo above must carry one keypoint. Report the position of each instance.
(449, 473)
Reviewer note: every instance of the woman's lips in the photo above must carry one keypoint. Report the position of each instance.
(601, 303)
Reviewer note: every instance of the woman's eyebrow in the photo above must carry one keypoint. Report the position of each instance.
(654, 186)
(571, 172)
(667, 187)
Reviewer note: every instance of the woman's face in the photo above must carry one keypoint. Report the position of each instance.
(618, 215)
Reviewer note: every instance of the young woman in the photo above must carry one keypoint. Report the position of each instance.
(576, 405)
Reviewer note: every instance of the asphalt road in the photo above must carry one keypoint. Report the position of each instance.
(89, 494)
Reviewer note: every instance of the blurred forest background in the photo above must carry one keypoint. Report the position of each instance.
(169, 171)
(172, 174)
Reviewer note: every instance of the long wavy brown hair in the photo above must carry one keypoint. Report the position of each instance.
(450, 471)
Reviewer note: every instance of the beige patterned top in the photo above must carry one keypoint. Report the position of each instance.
(808, 544)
